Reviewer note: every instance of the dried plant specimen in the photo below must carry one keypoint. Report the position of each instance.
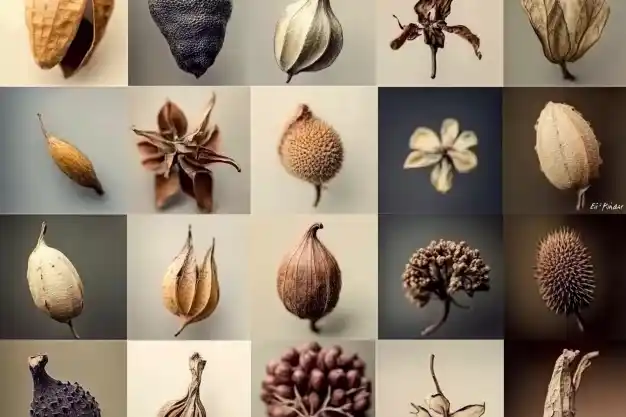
(191, 291)
(309, 279)
(62, 34)
(71, 161)
(451, 151)
(308, 37)
(182, 160)
(438, 403)
(564, 273)
(54, 283)
(190, 405)
(564, 383)
(311, 381)
(567, 148)
(311, 150)
(567, 29)
(442, 269)
(431, 24)
(194, 30)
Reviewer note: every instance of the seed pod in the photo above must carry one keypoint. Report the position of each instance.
(61, 34)
(191, 291)
(309, 279)
(54, 283)
(311, 150)
(308, 37)
(71, 161)
(190, 405)
(568, 151)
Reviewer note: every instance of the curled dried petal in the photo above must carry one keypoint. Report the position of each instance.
(474, 410)
(172, 120)
(441, 176)
(155, 138)
(466, 140)
(449, 132)
(421, 159)
(166, 188)
(464, 161)
(466, 34)
(201, 134)
(424, 139)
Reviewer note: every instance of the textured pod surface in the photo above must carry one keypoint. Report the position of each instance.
(309, 279)
(190, 405)
(194, 30)
(53, 398)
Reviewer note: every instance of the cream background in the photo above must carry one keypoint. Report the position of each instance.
(468, 371)
(158, 372)
(107, 67)
(353, 112)
(353, 242)
(457, 65)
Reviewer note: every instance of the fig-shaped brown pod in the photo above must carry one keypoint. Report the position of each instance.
(309, 279)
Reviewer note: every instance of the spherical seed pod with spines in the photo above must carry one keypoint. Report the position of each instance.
(565, 273)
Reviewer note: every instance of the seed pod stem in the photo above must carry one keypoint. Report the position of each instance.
(433, 61)
(446, 312)
(318, 194)
(580, 203)
(566, 74)
(579, 321)
(73, 330)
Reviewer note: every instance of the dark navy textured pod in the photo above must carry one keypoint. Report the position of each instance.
(194, 29)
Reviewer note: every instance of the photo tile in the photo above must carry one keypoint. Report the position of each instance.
(564, 272)
(321, 268)
(473, 39)
(531, 368)
(540, 180)
(212, 298)
(44, 374)
(439, 151)
(344, 370)
(223, 376)
(319, 150)
(278, 35)
(49, 45)
(66, 277)
(413, 290)
(583, 49)
(406, 383)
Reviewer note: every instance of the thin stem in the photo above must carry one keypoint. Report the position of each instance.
(579, 321)
(446, 312)
(43, 128)
(580, 202)
(69, 323)
(398, 20)
(566, 74)
(318, 194)
(289, 77)
(313, 326)
(437, 386)
(180, 330)
(42, 232)
(433, 60)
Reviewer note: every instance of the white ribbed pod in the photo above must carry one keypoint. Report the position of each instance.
(568, 151)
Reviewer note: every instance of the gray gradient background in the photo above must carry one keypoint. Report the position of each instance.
(526, 189)
(398, 238)
(99, 366)
(150, 61)
(152, 245)
(263, 352)
(355, 65)
(400, 112)
(96, 245)
(527, 317)
(525, 64)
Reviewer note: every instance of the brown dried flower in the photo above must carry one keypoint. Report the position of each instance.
(181, 160)
(441, 269)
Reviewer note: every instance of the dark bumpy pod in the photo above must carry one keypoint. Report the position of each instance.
(52, 398)
(194, 30)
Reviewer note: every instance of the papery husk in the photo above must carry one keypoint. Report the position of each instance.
(190, 405)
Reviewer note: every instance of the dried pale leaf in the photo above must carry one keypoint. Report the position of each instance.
(424, 139)
(466, 140)
(207, 289)
(165, 188)
(200, 135)
(475, 410)
(441, 176)
(172, 119)
(449, 132)
(465, 33)
(170, 285)
(186, 281)
(464, 161)
(421, 159)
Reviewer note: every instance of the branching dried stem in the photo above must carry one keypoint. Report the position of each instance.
(297, 405)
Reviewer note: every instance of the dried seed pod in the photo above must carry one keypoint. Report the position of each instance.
(568, 151)
(190, 405)
(311, 150)
(71, 161)
(191, 291)
(564, 273)
(61, 34)
(309, 279)
(308, 37)
(54, 283)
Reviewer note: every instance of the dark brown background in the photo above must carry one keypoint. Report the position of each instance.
(529, 368)
(525, 189)
(527, 317)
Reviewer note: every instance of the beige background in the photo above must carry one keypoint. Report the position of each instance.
(353, 113)
(154, 241)
(469, 372)
(107, 67)
(158, 372)
(99, 366)
(264, 352)
(353, 242)
(457, 65)
(231, 113)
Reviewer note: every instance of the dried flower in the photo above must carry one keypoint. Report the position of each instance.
(441, 269)
(451, 150)
(182, 160)
(567, 29)
(431, 22)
